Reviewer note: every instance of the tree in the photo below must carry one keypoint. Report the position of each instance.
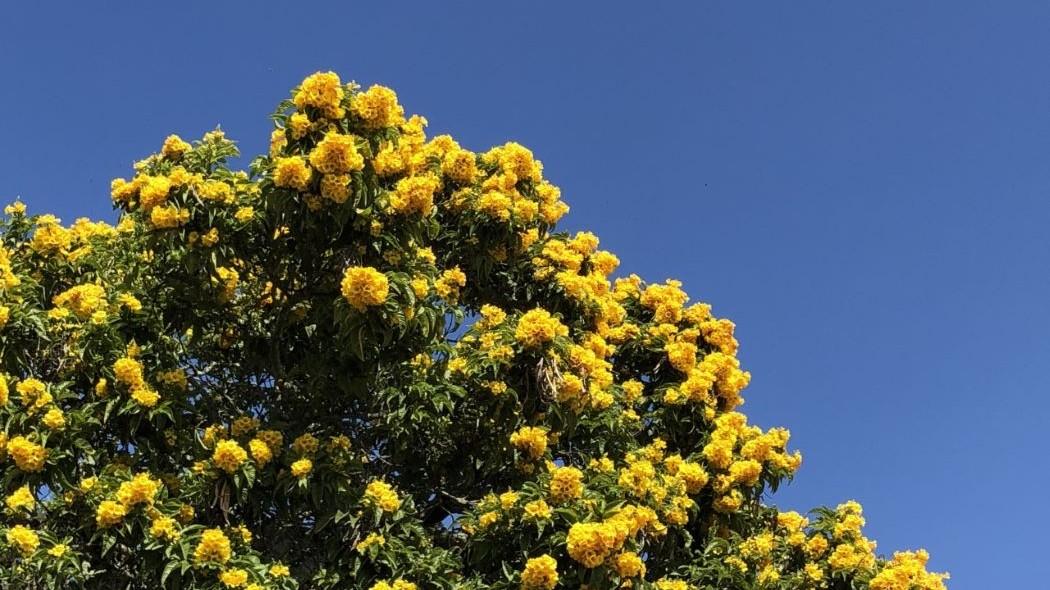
(370, 361)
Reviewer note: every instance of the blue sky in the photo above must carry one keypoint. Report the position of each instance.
(862, 187)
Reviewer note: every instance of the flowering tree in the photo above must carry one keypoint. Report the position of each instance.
(370, 361)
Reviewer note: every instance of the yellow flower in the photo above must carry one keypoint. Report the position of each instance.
(50, 237)
(87, 484)
(234, 578)
(164, 528)
(58, 550)
(82, 300)
(396, 585)
(210, 238)
(566, 484)
(814, 572)
(415, 194)
(540, 573)
(229, 456)
(54, 419)
(377, 108)
(279, 571)
(129, 302)
(447, 286)
(128, 371)
(302, 467)
(693, 475)
(298, 125)
(364, 286)
(23, 538)
(530, 440)
(260, 451)
(305, 444)
(110, 513)
(145, 396)
(20, 499)
(244, 214)
(292, 172)
(141, 489)
(153, 191)
(460, 165)
(217, 191)
(322, 91)
(174, 147)
(213, 546)
(537, 327)
(28, 456)
(682, 355)
(382, 495)
(336, 154)
(168, 217)
(907, 570)
(373, 539)
(16, 208)
(816, 546)
(537, 510)
(278, 141)
(629, 565)
(768, 576)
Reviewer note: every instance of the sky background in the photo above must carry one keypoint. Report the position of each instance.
(862, 187)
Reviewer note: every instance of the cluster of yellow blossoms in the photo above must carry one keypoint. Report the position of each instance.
(364, 287)
(383, 496)
(540, 573)
(832, 548)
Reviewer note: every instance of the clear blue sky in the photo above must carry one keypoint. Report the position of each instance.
(864, 187)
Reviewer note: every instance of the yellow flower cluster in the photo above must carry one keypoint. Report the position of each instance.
(540, 573)
(531, 441)
(165, 528)
(449, 284)
(415, 195)
(537, 327)
(29, 456)
(833, 548)
(302, 467)
(169, 217)
(739, 454)
(383, 496)
(34, 394)
(336, 154)
(20, 499)
(141, 489)
(50, 238)
(23, 538)
(129, 372)
(292, 172)
(110, 513)
(82, 300)
(592, 543)
(233, 578)
(214, 546)
(321, 91)
(174, 147)
(377, 108)
(372, 540)
(397, 584)
(566, 484)
(229, 456)
(907, 571)
(364, 287)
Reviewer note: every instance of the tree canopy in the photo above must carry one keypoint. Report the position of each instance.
(371, 361)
